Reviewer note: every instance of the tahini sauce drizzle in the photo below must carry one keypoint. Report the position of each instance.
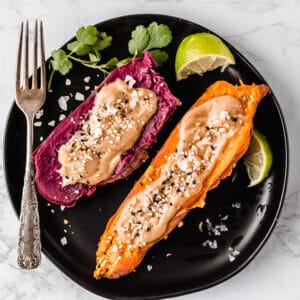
(113, 126)
(203, 133)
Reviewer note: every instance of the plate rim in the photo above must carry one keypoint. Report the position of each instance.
(267, 235)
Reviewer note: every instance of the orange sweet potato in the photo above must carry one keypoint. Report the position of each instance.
(115, 258)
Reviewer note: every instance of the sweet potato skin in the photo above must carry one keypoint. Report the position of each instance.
(114, 258)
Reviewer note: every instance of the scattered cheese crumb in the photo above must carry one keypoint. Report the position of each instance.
(52, 210)
(87, 87)
(79, 96)
(68, 81)
(168, 254)
(64, 241)
(48, 204)
(62, 207)
(65, 230)
(41, 138)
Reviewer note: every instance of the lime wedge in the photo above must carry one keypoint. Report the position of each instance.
(258, 159)
(201, 52)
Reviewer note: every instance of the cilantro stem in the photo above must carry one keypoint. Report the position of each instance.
(83, 61)
(50, 80)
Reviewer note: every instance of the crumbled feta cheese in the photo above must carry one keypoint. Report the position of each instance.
(68, 81)
(62, 208)
(87, 87)
(41, 138)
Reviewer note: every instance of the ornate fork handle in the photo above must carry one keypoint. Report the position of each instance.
(29, 246)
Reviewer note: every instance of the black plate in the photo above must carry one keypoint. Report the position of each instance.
(182, 263)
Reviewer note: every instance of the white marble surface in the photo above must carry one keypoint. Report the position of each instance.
(267, 32)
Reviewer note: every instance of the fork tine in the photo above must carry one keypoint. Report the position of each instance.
(34, 75)
(26, 58)
(43, 69)
(19, 59)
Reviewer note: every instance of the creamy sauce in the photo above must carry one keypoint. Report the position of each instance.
(203, 133)
(113, 126)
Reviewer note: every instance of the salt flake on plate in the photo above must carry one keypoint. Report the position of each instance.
(63, 241)
(62, 102)
(79, 96)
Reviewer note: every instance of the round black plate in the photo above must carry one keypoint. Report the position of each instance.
(189, 260)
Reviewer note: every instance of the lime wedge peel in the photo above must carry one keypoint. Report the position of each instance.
(258, 159)
(199, 53)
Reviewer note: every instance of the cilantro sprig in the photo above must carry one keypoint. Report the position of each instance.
(152, 38)
(89, 42)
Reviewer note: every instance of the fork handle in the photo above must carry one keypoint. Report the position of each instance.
(29, 245)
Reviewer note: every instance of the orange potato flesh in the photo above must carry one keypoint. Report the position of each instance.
(115, 258)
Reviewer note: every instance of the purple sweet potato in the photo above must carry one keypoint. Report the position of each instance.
(48, 180)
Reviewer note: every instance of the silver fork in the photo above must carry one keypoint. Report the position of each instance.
(30, 100)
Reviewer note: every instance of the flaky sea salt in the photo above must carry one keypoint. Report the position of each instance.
(37, 124)
(51, 123)
(236, 205)
(149, 268)
(130, 80)
(87, 79)
(64, 241)
(212, 244)
(79, 96)
(233, 253)
(61, 117)
(39, 114)
(62, 102)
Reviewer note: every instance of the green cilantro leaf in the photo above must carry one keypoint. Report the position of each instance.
(139, 40)
(160, 56)
(160, 36)
(103, 41)
(60, 62)
(85, 37)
